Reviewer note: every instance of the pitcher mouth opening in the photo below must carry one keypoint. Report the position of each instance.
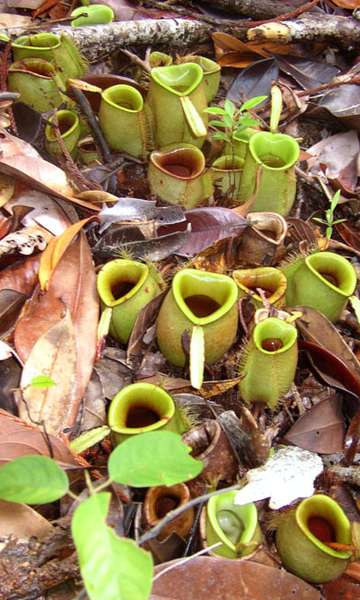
(181, 79)
(333, 272)
(120, 280)
(272, 336)
(275, 151)
(181, 163)
(203, 297)
(228, 163)
(125, 97)
(43, 41)
(67, 122)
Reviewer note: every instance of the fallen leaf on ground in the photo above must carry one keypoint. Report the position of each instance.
(54, 355)
(205, 578)
(22, 521)
(336, 157)
(320, 429)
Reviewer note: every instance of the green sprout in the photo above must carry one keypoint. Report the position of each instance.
(329, 215)
(233, 120)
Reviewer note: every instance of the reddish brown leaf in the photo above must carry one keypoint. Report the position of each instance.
(72, 286)
(344, 588)
(232, 52)
(352, 439)
(321, 429)
(21, 277)
(206, 578)
(350, 4)
(330, 354)
(350, 235)
(11, 303)
(18, 438)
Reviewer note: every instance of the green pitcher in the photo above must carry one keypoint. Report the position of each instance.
(272, 283)
(177, 175)
(240, 142)
(303, 537)
(226, 172)
(126, 286)
(60, 50)
(176, 102)
(38, 83)
(323, 281)
(235, 526)
(211, 70)
(69, 128)
(198, 298)
(139, 408)
(123, 120)
(269, 172)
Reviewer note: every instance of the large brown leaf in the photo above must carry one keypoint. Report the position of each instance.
(72, 286)
(321, 429)
(206, 578)
(11, 303)
(53, 355)
(18, 438)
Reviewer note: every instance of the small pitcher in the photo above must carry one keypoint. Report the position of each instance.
(123, 121)
(60, 50)
(226, 172)
(126, 286)
(269, 172)
(177, 175)
(38, 83)
(198, 298)
(69, 127)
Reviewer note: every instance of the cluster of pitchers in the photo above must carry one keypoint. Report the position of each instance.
(167, 126)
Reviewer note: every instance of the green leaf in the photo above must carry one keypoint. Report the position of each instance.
(112, 568)
(42, 381)
(318, 220)
(217, 124)
(229, 108)
(228, 121)
(89, 439)
(153, 458)
(334, 200)
(32, 480)
(218, 135)
(214, 110)
(339, 221)
(252, 102)
(248, 121)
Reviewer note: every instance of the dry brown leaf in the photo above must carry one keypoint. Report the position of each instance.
(321, 429)
(232, 52)
(53, 355)
(21, 277)
(18, 438)
(22, 521)
(350, 4)
(72, 286)
(205, 578)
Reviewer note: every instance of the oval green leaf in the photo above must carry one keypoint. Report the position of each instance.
(111, 567)
(32, 480)
(154, 458)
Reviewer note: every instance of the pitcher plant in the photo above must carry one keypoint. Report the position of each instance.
(235, 526)
(123, 120)
(126, 286)
(226, 172)
(60, 50)
(198, 298)
(176, 103)
(159, 501)
(269, 172)
(268, 363)
(211, 71)
(263, 241)
(38, 83)
(142, 407)
(69, 128)
(177, 175)
(305, 536)
(323, 281)
(262, 283)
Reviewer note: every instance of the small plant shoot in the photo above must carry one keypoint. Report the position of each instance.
(233, 120)
(330, 220)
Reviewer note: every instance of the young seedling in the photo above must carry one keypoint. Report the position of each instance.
(233, 120)
(329, 215)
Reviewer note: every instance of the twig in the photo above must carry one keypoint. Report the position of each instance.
(154, 531)
(286, 16)
(330, 85)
